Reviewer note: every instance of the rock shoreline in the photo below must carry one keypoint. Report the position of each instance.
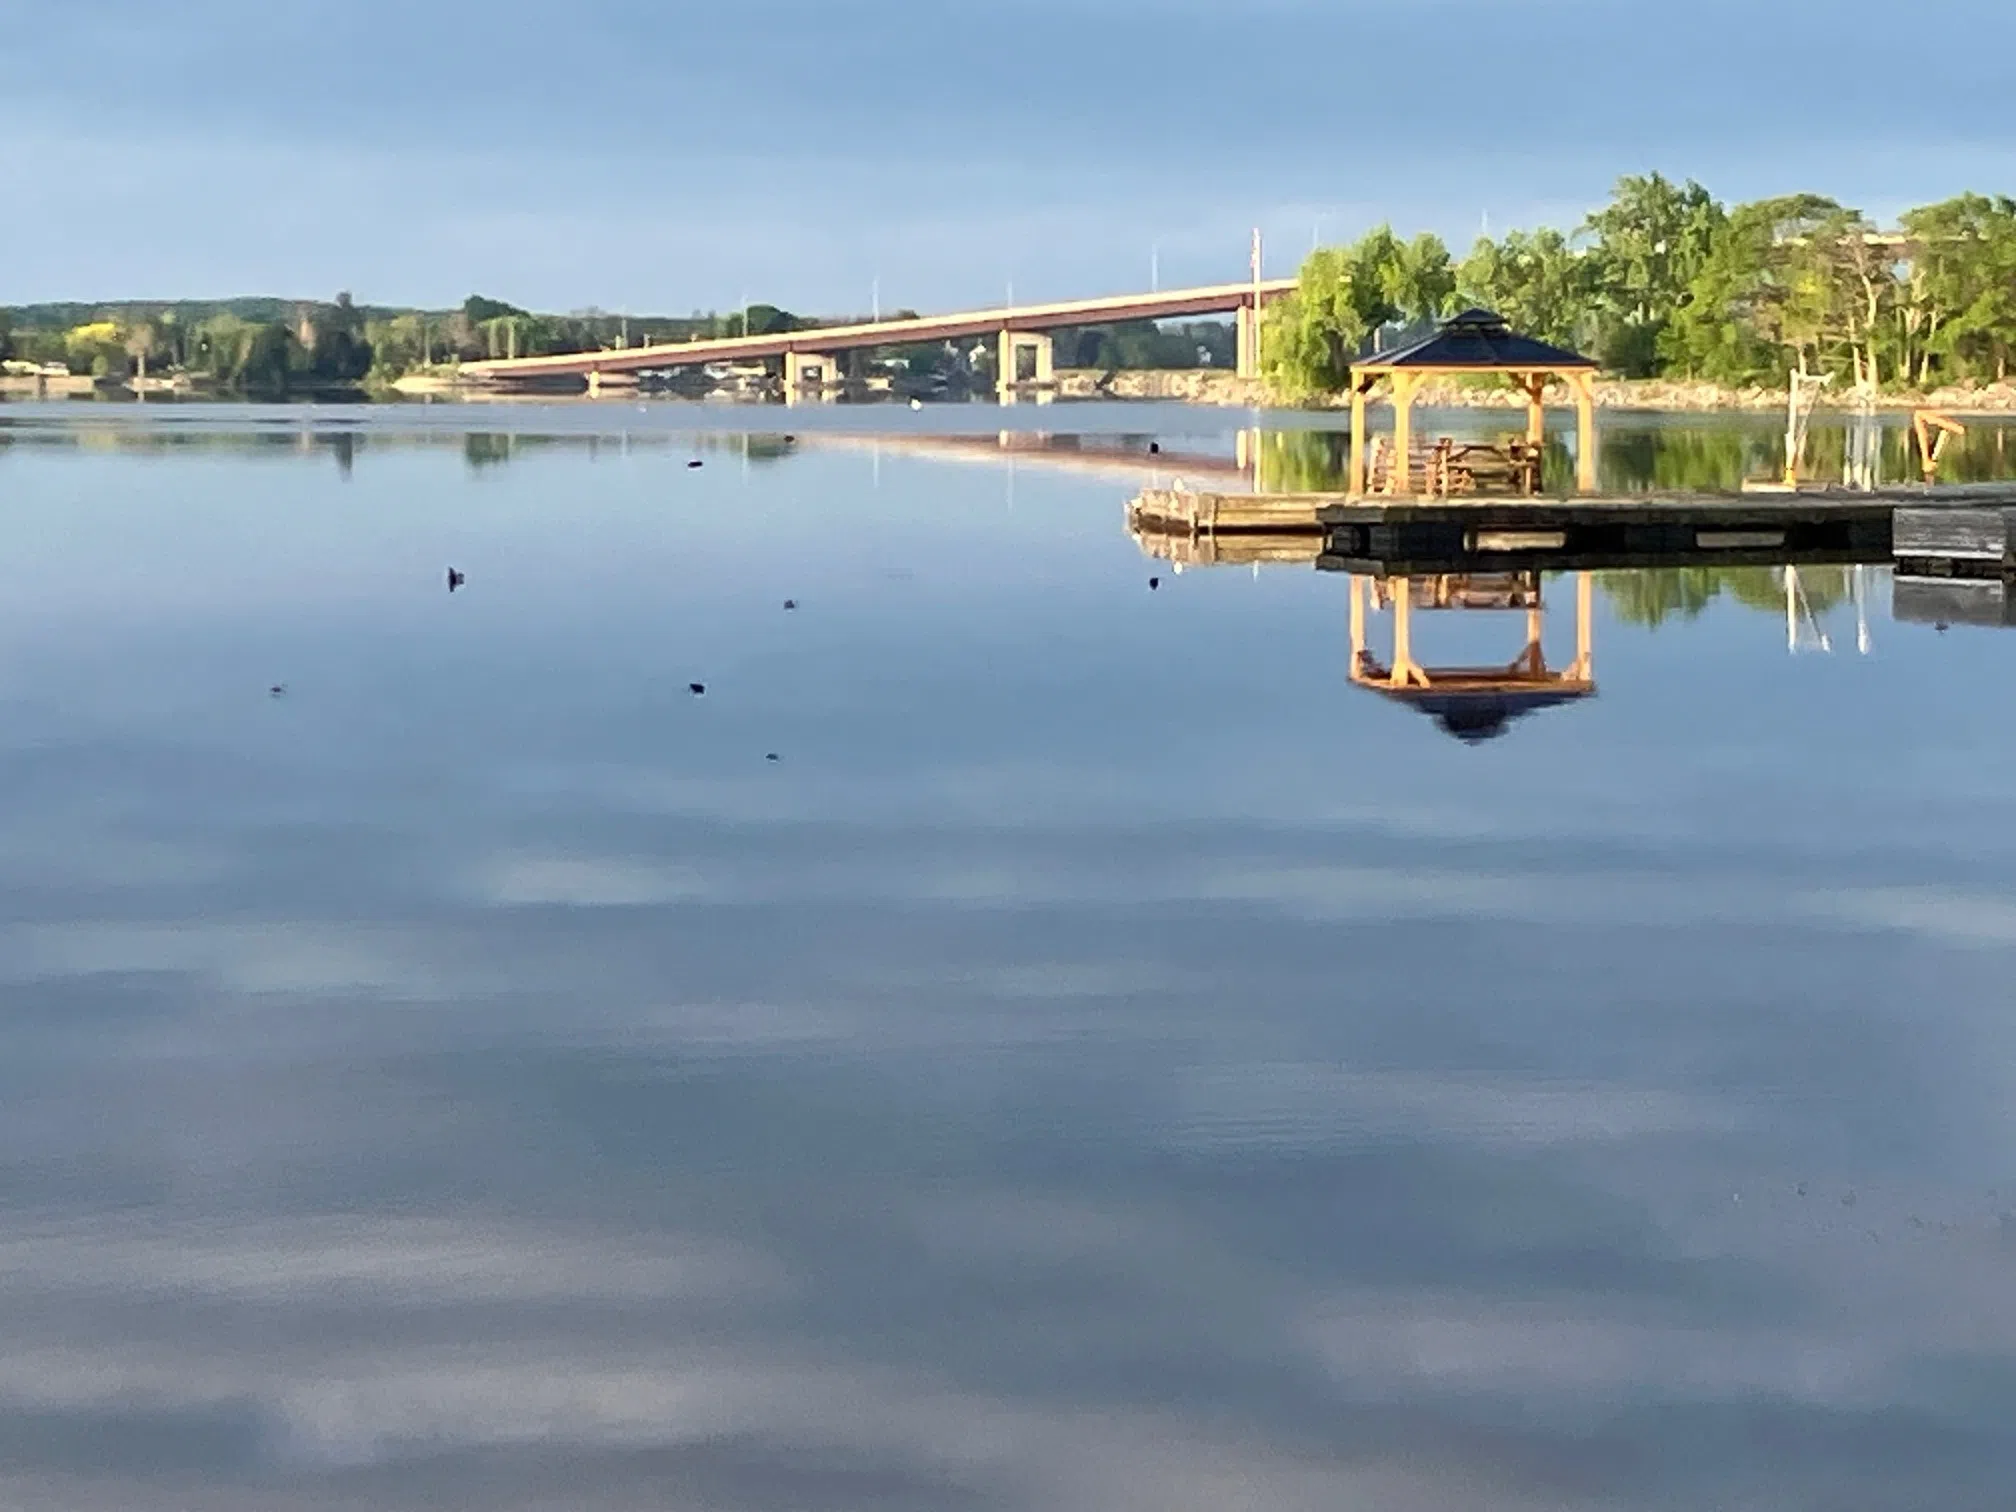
(1216, 386)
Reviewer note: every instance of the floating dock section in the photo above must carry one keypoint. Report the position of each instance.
(1970, 529)
(1955, 564)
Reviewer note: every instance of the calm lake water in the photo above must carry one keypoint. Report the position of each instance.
(1105, 1060)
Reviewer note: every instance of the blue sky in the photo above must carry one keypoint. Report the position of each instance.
(671, 156)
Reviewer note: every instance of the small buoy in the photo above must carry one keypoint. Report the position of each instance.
(278, 690)
(916, 404)
(790, 603)
(696, 689)
(1154, 583)
(769, 755)
(1154, 446)
(694, 463)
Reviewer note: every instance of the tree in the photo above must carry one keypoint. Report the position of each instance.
(140, 342)
(272, 356)
(768, 320)
(1420, 279)
(1651, 241)
(1765, 296)
(1342, 296)
(1540, 283)
(340, 351)
(479, 308)
(1959, 311)
(97, 347)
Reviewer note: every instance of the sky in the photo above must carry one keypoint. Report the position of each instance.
(670, 156)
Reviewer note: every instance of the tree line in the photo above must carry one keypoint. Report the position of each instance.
(276, 347)
(1667, 281)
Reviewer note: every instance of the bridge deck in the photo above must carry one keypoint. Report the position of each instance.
(1166, 304)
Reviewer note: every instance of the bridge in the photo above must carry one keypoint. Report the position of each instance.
(812, 357)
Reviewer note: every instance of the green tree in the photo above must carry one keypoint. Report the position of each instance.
(340, 353)
(1960, 312)
(1651, 241)
(272, 359)
(1342, 296)
(1767, 296)
(478, 308)
(1418, 277)
(1538, 280)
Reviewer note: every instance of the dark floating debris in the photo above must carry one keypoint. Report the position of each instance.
(790, 603)
(278, 690)
(696, 689)
(769, 755)
(456, 579)
(696, 462)
(1154, 583)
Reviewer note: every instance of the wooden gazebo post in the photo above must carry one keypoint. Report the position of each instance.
(1584, 385)
(1360, 389)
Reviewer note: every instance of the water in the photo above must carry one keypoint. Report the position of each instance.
(1107, 1060)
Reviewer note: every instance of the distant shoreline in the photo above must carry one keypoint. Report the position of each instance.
(1206, 387)
(1672, 396)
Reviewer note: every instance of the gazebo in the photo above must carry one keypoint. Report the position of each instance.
(1471, 703)
(1474, 342)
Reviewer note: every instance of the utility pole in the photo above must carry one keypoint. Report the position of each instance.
(1254, 359)
(1154, 267)
(875, 297)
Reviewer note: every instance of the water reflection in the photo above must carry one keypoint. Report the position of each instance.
(1698, 453)
(1472, 703)
(1108, 1061)
(1638, 453)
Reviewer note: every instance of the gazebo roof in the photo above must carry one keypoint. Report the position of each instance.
(1478, 713)
(1476, 341)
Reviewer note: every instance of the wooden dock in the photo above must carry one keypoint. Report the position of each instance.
(1815, 524)
(1235, 548)
(1184, 511)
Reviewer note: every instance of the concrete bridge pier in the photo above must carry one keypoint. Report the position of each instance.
(810, 372)
(1009, 375)
(1246, 329)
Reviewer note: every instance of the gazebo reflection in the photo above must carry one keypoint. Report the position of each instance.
(1472, 703)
